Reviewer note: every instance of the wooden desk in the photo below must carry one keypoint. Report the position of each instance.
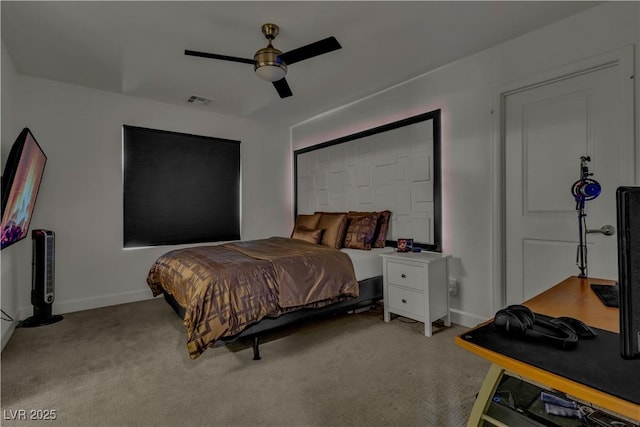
(573, 297)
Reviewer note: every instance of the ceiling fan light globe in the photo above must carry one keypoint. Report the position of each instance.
(270, 73)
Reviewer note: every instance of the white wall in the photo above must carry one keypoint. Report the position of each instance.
(467, 91)
(8, 258)
(80, 199)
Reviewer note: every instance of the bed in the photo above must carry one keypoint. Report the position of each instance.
(244, 289)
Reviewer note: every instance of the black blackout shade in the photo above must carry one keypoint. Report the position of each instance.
(179, 188)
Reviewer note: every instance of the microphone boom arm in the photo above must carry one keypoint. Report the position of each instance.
(584, 189)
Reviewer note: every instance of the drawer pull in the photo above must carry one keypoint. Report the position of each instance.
(404, 276)
(404, 301)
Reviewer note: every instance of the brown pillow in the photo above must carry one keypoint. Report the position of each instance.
(382, 227)
(306, 222)
(361, 231)
(335, 227)
(311, 236)
(384, 218)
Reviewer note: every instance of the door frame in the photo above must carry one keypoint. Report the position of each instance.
(622, 57)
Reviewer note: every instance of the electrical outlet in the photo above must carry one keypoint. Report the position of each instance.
(453, 287)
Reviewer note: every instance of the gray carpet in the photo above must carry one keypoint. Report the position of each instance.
(128, 365)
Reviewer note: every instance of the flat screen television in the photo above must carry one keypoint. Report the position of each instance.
(628, 218)
(20, 184)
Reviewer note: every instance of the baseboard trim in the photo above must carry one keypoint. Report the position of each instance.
(465, 319)
(457, 316)
(62, 307)
(7, 335)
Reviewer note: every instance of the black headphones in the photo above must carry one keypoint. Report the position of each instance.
(519, 321)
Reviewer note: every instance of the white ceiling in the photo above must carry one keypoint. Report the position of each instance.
(137, 48)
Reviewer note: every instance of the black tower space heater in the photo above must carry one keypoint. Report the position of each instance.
(43, 280)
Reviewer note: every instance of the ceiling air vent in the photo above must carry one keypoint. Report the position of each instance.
(199, 100)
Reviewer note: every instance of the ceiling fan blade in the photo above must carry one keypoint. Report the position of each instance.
(309, 51)
(216, 56)
(283, 88)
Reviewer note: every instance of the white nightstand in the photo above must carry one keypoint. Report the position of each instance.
(416, 286)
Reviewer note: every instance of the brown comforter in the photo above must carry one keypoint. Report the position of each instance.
(228, 287)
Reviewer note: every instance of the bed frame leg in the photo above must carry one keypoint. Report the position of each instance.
(256, 348)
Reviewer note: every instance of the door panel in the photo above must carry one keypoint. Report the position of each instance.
(548, 127)
(557, 126)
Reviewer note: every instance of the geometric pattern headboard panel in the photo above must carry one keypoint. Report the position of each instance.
(393, 167)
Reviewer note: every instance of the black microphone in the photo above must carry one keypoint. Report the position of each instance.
(585, 188)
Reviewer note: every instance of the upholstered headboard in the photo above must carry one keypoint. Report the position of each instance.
(393, 167)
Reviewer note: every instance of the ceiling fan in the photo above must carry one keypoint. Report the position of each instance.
(270, 63)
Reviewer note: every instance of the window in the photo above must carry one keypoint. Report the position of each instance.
(179, 188)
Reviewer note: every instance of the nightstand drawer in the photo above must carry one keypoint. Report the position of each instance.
(406, 300)
(410, 276)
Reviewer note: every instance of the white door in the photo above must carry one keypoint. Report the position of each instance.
(547, 128)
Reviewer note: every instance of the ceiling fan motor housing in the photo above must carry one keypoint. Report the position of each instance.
(269, 56)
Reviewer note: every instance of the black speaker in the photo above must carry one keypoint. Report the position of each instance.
(42, 279)
(628, 217)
